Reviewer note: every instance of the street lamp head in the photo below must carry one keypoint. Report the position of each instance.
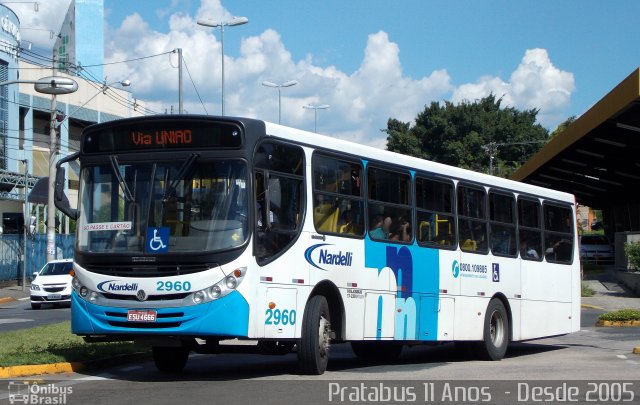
(316, 107)
(237, 21)
(234, 21)
(289, 83)
(125, 83)
(55, 85)
(269, 84)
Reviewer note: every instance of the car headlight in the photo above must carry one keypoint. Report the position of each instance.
(35, 287)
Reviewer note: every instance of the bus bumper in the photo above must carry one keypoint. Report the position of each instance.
(227, 316)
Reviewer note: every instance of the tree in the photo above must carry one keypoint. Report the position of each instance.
(563, 125)
(459, 135)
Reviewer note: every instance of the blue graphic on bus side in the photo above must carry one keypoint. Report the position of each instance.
(417, 277)
(157, 240)
(327, 257)
(455, 269)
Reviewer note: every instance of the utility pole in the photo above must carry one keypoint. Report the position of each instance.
(180, 109)
(25, 223)
(53, 152)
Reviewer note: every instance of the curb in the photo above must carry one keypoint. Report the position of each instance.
(70, 367)
(618, 324)
(4, 300)
(25, 371)
(588, 306)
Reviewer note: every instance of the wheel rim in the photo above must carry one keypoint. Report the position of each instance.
(497, 329)
(324, 332)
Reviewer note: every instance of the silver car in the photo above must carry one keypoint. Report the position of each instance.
(595, 248)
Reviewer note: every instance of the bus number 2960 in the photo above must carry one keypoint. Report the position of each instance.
(277, 317)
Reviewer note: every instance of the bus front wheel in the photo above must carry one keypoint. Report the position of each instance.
(315, 339)
(170, 360)
(496, 332)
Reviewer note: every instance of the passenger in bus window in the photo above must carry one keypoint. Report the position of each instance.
(527, 251)
(401, 230)
(380, 227)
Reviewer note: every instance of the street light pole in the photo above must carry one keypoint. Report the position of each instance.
(315, 109)
(25, 223)
(279, 86)
(233, 22)
(53, 154)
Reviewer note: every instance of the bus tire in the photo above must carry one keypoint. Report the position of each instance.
(170, 360)
(379, 352)
(496, 332)
(315, 337)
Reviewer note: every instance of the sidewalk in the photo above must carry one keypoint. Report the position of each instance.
(610, 295)
(13, 293)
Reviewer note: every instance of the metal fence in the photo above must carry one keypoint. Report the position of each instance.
(11, 263)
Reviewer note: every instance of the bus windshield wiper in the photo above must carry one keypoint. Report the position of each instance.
(184, 169)
(116, 170)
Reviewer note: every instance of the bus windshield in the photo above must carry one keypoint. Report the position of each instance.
(195, 205)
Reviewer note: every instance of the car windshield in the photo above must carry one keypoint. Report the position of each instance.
(56, 269)
(162, 207)
(594, 240)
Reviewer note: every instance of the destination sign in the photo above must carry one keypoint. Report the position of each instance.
(160, 134)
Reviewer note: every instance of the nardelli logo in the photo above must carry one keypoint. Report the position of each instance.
(327, 257)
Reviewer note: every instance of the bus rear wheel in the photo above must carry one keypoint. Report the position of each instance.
(170, 360)
(496, 332)
(315, 339)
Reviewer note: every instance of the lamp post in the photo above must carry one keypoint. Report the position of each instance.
(279, 86)
(53, 85)
(230, 23)
(315, 109)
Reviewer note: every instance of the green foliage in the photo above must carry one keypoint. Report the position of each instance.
(563, 125)
(622, 315)
(587, 291)
(459, 135)
(632, 250)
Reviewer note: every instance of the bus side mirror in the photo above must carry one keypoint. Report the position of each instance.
(59, 197)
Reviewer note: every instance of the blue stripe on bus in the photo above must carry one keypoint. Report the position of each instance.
(416, 272)
(227, 316)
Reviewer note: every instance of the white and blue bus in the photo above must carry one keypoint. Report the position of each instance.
(192, 230)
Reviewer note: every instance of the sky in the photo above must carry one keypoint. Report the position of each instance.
(369, 60)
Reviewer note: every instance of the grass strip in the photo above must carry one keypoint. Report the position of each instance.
(622, 315)
(55, 343)
(587, 291)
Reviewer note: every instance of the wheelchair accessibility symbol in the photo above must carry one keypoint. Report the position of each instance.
(157, 240)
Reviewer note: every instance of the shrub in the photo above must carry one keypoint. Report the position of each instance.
(622, 315)
(632, 250)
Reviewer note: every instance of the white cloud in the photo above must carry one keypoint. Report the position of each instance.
(360, 102)
(40, 27)
(535, 84)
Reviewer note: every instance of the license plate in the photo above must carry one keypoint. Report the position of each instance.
(54, 296)
(136, 315)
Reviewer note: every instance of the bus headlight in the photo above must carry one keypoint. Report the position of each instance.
(215, 291)
(231, 282)
(93, 296)
(199, 297)
(84, 291)
(76, 283)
